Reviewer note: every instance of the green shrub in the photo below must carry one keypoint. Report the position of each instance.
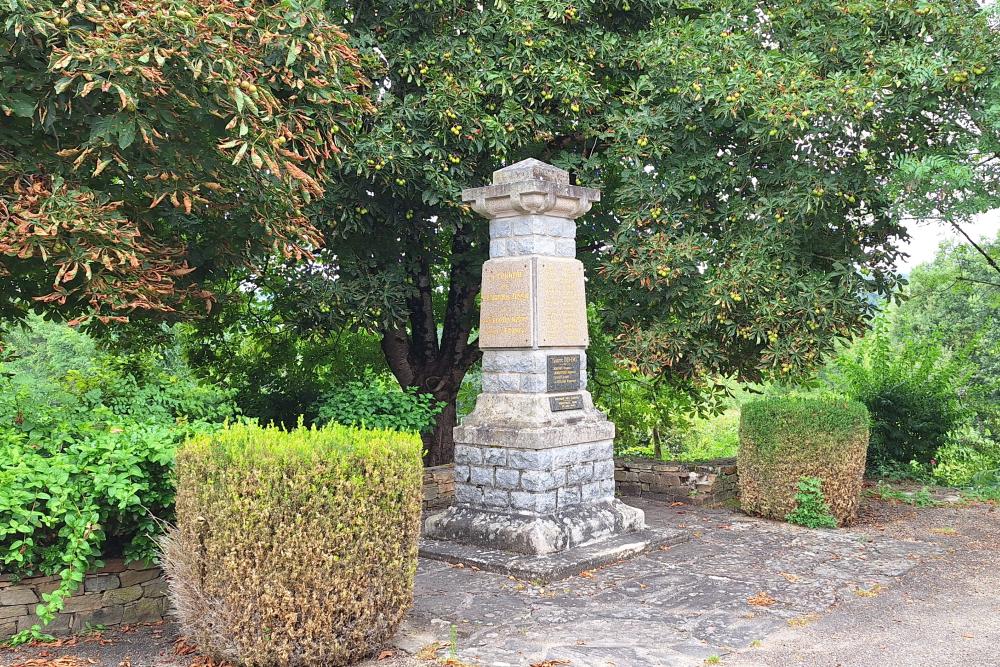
(910, 390)
(784, 439)
(378, 402)
(968, 456)
(87, 441)
(811, 509)
(294, 548)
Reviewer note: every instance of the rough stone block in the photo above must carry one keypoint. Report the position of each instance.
(648, 477)
(7, 629)
(468, 495)
(481, 475)
(106, 616)
(500, 228)
(462, 472)
(581, 472)
(13, 611)
(112, 566)
(507, 478)
(86, 602)
(538, 503)
(137, 576)
(17, 595)
(565, 248)
(596, 491)
(496, 498)
(604, 469)
(157, 588)
(501, 383)
(493, 456)
(101, 582)
(467, 454)
(123, 595)
(59, 625)
(144, 611)
(514, 361)
(542, 480)
(568, 496)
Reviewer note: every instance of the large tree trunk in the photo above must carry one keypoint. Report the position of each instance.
(439, 444)
(419, 358)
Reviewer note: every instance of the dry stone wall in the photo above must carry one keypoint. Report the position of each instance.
(117, 594)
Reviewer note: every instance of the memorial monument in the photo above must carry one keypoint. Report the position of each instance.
(534, 468)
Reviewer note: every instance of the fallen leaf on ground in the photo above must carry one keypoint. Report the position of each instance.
(386, 654)
(790, 578)
(550, 663)
(181, 647)
(869, 592)
(430, 651)
(65, 661)
(677, 505)
(944, 531)
(761, 599)
(802, 621)
(587, 574)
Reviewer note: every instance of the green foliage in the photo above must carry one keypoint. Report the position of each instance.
(159, 143)
(956, 299)
(376, 401)
(783, 439)
(277, 372)
(811, 509)
(87, 442)
(921, 498)
(910, 389)
(267, 518)
(968, 457)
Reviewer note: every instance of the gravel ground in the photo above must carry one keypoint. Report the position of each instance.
(943, 612)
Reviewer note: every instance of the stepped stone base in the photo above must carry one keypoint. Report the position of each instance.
(553, 567)
(538, 534)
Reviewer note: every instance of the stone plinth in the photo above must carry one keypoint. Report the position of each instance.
(534, 467)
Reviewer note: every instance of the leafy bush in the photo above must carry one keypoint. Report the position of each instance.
(87, 441)
(785, 439)
(294, 548)
(811, 509)
(910, 390)
(968, 457)
(378, 402)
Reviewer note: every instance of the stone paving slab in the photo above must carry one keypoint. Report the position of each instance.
(553, 567)
(676, 605)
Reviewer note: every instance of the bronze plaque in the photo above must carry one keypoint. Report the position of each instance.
(506, 317)
(570, 402)
(562, 304)
(562, 372)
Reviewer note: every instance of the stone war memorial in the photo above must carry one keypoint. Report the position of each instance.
(534, 467)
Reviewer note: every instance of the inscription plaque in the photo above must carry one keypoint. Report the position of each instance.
(570, 402)
(562, 305)
(562, 372)
(506, 309)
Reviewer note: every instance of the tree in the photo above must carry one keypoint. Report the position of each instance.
(150, 146)
(744, 150)
(955, 299)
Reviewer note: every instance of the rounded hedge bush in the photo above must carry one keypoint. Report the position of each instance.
(785, 439)
(294, 547)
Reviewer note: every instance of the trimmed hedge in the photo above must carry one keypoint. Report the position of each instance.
(785, 439)
(297, 547)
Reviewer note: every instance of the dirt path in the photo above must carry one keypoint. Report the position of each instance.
(946, 613)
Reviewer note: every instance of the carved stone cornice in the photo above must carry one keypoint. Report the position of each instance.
(531, 187)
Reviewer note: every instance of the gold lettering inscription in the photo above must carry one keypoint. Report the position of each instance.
(506, 318)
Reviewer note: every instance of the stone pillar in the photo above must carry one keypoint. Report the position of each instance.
(534, 467)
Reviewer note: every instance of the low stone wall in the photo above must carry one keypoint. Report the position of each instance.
(439, 486)
(117, 594)
(703, 483)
